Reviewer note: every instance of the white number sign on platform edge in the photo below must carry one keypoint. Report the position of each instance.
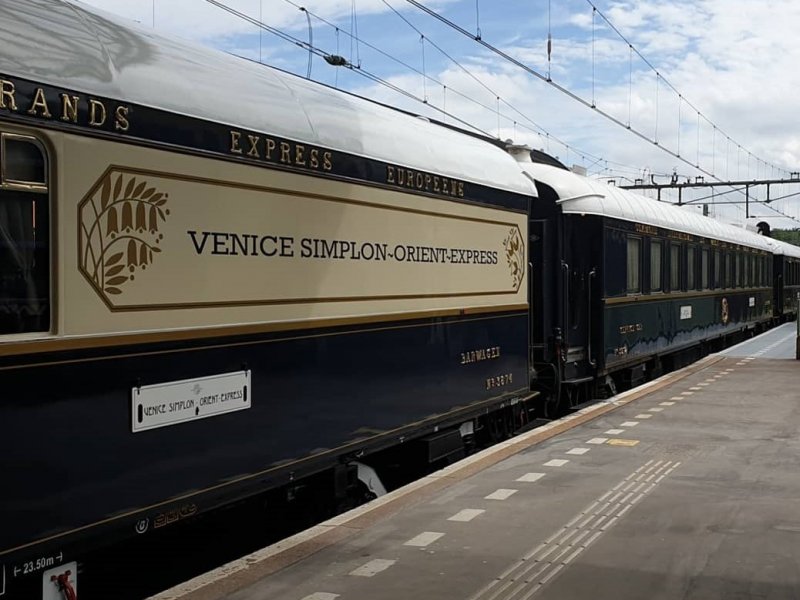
(173, 402)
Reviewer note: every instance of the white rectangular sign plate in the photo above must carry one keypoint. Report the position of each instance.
(751, 301)
(173, 402)
(686, 312)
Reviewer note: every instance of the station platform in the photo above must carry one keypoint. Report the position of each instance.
(686, 487)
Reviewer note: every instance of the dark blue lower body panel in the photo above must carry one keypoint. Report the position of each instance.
(71, 465)
(636, 331)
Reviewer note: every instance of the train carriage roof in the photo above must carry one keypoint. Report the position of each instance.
(72, 45)
(784, 248)
(581, 195)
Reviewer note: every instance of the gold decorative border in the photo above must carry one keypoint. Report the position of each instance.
(36, 346)
(288, 192)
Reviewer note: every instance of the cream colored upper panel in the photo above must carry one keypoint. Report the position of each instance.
(78, 47)
(582, 195)
(155, 241)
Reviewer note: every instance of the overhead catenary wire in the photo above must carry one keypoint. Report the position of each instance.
(444, 113)
(356, 69)
(650, 65)
(537, 129)
(530, 70)
(542, 77)
(541, 130)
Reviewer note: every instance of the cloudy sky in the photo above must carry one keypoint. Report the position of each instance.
(731, 61)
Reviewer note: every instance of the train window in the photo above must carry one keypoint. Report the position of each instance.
(24, 236)
(24, 162)
(765, 270)
(634, 285)
(756, 271)
(704, 269)
(656, 261)
(727, 274)
(690, 266)
(674, 267)
(745, 278)
(738, 281)
(717, 269)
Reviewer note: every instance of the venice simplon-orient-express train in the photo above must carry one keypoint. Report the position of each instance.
(218, 279)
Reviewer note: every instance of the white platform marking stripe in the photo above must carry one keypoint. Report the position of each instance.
(556, 462)
(530, 477)
(578, 451)
(526, 576)
(629, 424)
(467, 514)
(373, 567)
(597, 440)
(677, 398)
(643, 416)
(686, 393)
(501, 494)
(424, 539)
(614, 431)
(321, 596)
(667, 403)
(696, 388)
(656, 409)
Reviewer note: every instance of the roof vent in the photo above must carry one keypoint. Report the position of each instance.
(520, 152)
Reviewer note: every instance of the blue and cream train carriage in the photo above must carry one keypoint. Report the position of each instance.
(218, 279)
(637, 285)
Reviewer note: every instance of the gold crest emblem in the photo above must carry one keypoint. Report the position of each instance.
(515, 256)
(119, 233)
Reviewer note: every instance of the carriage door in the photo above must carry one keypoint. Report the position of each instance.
(24, 236)
(580, 284)
(541, 293)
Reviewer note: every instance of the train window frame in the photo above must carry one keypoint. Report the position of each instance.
(717, 283)
(727, 270)
(766, 271)
(705, 268)
(10, 183)
(738, 262)
(656, 266)
(691, 266)
(637, 288)
(675, 271)
(40, 270)
(756, 271)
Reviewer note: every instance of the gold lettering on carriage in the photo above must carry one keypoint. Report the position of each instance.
(67, 107)
(280, 152)
(648, 229)
(473, 356)
(423, 182)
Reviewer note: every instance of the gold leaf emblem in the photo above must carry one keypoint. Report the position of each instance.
(515, 256)
(119, 230)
